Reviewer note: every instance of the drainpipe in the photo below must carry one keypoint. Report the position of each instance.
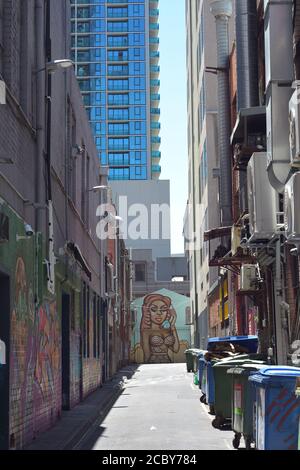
(40, 196)
(279, 306)
(222, 11)
(247, 54)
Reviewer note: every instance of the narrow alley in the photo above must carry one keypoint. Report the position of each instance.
(159, 409)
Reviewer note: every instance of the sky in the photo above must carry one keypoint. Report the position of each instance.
(174, 161)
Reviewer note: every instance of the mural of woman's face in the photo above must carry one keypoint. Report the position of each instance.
(158, 312)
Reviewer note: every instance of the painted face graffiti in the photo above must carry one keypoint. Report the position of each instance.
(159, 336)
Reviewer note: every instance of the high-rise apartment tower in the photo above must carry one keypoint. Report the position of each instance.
(115, 49)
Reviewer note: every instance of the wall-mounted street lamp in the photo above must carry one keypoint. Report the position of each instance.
(55, 65)
(95, 189)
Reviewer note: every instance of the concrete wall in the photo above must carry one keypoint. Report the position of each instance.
(174, 266)
(145, 193)
(155, 279)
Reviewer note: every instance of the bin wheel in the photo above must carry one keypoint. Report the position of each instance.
(189, 370)
(248, 442)
(218, 422)
(203, 399)
(236, 441)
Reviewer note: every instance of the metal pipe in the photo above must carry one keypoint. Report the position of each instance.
(247, 54)
(222, 11)
(40, 112)
(281, 346)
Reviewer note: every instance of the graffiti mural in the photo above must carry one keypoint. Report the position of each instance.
(35, 359)
(22, 344)
(160, 334)
(47, 364)
(158, 329)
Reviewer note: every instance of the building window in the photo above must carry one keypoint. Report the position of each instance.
(140, 272)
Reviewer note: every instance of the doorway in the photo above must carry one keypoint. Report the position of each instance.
(4, 360)
(66, 304)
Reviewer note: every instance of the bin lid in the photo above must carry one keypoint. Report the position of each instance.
(230, 339)
(238, 362)
(250, 342)
(194, 351)
(275, 374)
(280, 371)
(245, 369)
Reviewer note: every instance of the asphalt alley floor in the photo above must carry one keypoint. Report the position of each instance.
(159, 409)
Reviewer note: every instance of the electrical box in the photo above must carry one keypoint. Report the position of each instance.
(294, 115)
(291, 209)
(262, 200)
(248, 277)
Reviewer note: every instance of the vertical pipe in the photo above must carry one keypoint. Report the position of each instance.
(281, 352)
(222, 11)
(40, 111)
(247, 54)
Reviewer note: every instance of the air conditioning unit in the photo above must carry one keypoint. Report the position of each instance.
(262, 200)
(236, 233)
(294, 116)
(248, 277)
(291, 209)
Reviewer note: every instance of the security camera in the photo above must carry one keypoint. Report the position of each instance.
(28, 230)
(244, 241)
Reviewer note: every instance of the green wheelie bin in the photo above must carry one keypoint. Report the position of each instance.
(191, 357)
(223, 385)
(243, 398)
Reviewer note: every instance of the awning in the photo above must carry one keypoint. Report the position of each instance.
(217, 233)
(74, 248)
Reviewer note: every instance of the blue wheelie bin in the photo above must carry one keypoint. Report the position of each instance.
(277, 407)
(248, 343)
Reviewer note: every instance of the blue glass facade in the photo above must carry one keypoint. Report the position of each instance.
(116, 64)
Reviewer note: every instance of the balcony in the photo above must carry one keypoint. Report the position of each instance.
(156, 172)
(154, 70)
(155, 114)
(154, 57)
(154, 29)
(155, 157)
(155, 128)
(154, 12)
(155, 143)
(155, 84)
(154, 43)
(155, 97)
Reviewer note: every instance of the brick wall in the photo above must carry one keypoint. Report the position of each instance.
(36, 330)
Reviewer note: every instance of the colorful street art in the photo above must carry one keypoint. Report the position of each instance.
(47, 365)
(160, 334)
(35, 359)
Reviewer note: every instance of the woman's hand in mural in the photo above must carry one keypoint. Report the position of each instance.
(173, 318)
